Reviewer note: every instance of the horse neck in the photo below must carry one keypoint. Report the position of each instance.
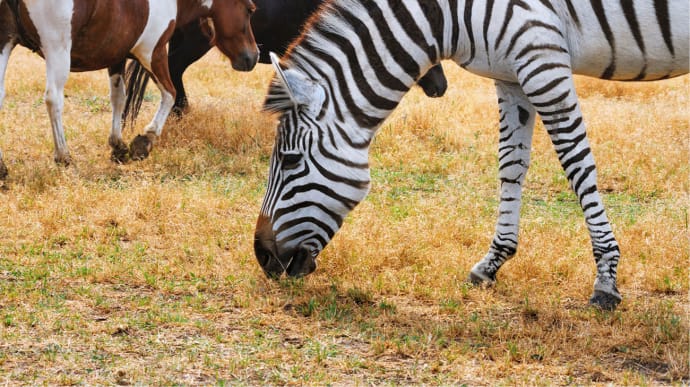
(364, 80)
(191, 10)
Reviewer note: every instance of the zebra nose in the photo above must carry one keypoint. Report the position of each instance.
(267, 258)
(264, 248)
(303, 263)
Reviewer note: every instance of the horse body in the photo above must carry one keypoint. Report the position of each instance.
(103, 19)
(87, 35)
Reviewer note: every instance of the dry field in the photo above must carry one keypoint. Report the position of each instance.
(144, 273)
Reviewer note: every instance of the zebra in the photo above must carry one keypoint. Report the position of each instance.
(356, 59)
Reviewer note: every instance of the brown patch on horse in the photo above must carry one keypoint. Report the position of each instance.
(8, 24)
(159, 60)
(99, 36)
(26, 31)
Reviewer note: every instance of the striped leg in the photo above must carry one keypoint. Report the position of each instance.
(553, 94)
(516, 128)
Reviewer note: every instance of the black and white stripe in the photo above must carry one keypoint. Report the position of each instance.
(361, 56)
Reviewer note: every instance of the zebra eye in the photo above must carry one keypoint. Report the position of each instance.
(291, 160)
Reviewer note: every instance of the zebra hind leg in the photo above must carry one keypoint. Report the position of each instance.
(553, 95)
(516, 127)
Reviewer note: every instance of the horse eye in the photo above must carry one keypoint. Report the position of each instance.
(291, 160)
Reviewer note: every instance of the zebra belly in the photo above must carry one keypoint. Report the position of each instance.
(638, 43)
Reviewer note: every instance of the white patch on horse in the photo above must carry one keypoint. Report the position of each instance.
(161, 13)
(204, 3)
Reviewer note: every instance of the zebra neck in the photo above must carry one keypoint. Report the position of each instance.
(368, 53)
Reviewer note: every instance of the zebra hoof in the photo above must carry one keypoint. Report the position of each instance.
(140, 147)
(605, 301)
(481, 279)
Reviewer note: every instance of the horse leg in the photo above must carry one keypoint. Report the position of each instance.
(142, 144)
(57, 72)
(54, 27)
(117, 101)
(5, 52)
(515, 142)
(187, 46)
(4, 58)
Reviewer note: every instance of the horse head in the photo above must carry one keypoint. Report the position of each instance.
(232, 32)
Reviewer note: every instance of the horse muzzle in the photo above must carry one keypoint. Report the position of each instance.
(245, 61)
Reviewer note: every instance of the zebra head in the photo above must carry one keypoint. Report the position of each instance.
(312, 185)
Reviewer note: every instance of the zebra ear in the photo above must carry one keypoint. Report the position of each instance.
(291, 89)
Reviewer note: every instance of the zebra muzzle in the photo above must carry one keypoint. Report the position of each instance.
(302, 263)
(298, 263)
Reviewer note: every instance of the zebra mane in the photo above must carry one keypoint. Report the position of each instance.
(278, 98)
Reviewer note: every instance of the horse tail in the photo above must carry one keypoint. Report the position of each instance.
(136, 79)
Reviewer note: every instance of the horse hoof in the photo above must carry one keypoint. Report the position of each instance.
(180, 110)
(605, 301)
(64, 161)
(119, 154)
(3, 170)
(141, 146)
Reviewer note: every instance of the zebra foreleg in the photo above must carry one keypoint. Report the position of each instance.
(555, 99)
(516, 128)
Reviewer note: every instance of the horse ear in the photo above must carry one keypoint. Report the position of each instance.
(291, 89)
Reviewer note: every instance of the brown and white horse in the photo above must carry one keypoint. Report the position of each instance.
(86, 35)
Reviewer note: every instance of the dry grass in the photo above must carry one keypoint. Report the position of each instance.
(144, 273)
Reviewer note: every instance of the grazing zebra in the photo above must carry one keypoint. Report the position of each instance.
(357, 58)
